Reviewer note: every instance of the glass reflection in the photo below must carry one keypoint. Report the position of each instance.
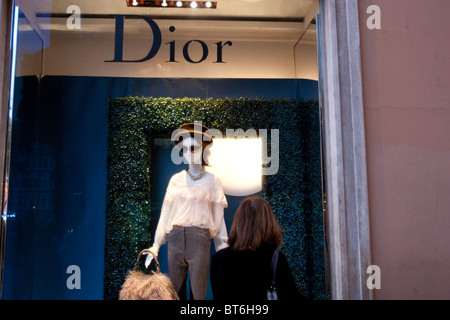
(59, 146)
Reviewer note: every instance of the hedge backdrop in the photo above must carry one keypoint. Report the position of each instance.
(295, 192)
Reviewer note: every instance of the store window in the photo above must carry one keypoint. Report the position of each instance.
(99, 88)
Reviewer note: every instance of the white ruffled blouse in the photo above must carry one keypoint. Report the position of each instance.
(189, 203)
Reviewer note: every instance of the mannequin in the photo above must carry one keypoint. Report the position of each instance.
(191, 215)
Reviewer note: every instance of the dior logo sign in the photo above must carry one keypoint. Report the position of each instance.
(175, 51)
(156, 35)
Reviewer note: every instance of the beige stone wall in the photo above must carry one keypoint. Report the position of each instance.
(406, 88)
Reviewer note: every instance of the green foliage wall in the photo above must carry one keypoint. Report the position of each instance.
(295, 192)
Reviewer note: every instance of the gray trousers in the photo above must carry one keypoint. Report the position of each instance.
(189, 247)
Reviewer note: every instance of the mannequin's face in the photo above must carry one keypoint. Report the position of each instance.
(192, 151)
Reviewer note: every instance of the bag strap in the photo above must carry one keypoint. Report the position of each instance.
(274, 265)
(155, 256)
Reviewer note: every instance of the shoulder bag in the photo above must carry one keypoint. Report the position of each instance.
(272, 290)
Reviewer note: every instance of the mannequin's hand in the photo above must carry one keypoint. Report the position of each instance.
(149, 258)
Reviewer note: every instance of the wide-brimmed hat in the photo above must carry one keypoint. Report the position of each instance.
(196, 130)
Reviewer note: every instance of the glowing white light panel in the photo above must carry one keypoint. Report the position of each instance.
(238, 164)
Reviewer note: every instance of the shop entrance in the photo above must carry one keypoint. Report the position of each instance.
(237, 65)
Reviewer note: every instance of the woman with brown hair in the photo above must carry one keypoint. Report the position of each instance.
(243, 271)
